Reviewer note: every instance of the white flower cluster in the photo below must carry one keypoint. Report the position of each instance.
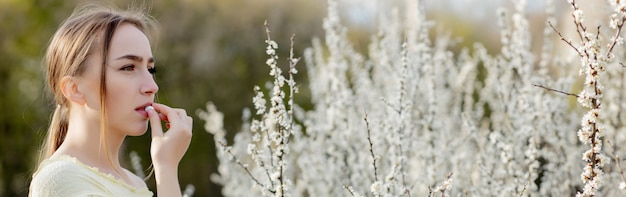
(393, 121)
(579, 17)
(135, 161)
(619, 9)
(189, 190)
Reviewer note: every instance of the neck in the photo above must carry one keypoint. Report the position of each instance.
(85, 141)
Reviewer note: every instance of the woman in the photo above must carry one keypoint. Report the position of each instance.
(100, 68)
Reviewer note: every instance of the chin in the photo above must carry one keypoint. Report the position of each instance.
(139, 131)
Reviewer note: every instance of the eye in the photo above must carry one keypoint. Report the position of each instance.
(152, 70)
(129, 67)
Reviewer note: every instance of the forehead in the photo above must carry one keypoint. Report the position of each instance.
(129, 40)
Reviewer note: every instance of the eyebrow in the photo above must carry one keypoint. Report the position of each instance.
(135, 58)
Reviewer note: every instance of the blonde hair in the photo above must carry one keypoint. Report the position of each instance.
(88, 29)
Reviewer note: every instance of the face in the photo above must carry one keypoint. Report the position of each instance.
(130, 85)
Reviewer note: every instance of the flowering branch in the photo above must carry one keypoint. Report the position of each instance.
(593, 63)
(578, 21)
(616, 38)
(281, 119)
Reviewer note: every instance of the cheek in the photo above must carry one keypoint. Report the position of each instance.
(91, 94)
(116, 91)
(117, 83)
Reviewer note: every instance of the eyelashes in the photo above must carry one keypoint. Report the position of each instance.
(131, 67)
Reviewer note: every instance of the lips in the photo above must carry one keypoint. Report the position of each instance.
(142, 110)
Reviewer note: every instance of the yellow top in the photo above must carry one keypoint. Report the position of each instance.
(66, 176)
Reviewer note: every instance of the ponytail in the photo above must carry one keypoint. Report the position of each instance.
(56, 132)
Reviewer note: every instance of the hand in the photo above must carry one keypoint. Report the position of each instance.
(168, 148)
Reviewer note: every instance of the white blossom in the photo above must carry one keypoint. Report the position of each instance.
(394, 120)
(579, 17)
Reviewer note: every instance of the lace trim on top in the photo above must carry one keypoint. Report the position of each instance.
(95, 170)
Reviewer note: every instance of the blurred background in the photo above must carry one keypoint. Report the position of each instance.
(207, 50)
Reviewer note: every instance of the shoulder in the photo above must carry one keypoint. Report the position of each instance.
(61, 177)
(55, 169)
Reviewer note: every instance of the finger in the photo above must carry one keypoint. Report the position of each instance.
(171, 114)
(155, 122)
(181, 112)
(162, 108)
(166, 113)
(163, 118)
(189, 120)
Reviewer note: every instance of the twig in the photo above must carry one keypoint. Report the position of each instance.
(554, 90)
(619, 31)
(564, 40)
(292, 88)
(369, 139)
(349, 190)
(578, 25)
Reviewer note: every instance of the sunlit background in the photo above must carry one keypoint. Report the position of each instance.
(207, 50)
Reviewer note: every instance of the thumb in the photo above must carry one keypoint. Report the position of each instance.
(155, 122)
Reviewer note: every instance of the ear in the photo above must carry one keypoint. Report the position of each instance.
(70, 90)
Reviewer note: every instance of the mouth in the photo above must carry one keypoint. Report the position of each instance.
(142, 109)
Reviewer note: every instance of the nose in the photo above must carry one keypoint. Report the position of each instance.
(149, 86)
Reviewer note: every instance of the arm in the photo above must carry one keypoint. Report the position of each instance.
(167, 181)
(168, 148)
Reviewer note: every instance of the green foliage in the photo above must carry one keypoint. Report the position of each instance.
(24, 108)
